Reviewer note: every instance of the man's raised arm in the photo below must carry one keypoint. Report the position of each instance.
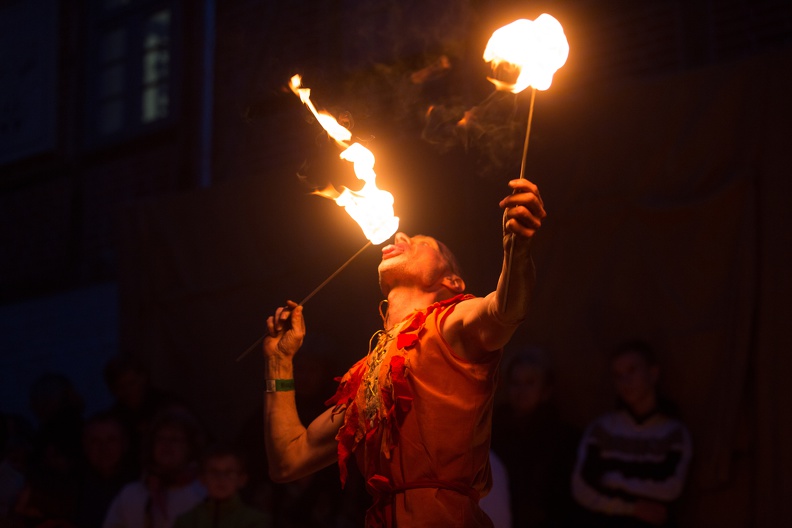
(293, 451)
(488, 323)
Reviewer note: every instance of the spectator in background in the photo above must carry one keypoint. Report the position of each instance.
(58, 408)
(497, 503)
(169, 485)
(50, 493)
(16, 444)
(106, 468)
(223, 474)
(535, 445)
(632, 462)
(137, 401)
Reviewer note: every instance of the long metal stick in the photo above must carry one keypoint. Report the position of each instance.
(507, 278)
(308, 297)
(331, 277)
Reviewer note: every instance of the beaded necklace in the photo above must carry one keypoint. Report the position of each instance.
(371, 379)
(374, 363)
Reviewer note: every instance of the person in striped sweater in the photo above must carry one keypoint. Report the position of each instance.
(633, 461)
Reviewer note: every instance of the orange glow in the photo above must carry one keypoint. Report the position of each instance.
(370, 207)
(537, 49)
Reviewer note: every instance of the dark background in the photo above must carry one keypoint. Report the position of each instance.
(661, 150)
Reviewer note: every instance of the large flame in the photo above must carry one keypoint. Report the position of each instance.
(535, 49)
(370, 207)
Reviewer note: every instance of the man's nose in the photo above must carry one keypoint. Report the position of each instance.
(401, 237)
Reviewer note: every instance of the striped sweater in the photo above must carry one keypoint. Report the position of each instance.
(621, 460)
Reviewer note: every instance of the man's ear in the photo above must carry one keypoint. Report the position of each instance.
(454, 283)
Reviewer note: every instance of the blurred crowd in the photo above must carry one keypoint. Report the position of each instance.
(626, 469)
(148, 461)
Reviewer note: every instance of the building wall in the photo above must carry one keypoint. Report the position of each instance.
(63, 188)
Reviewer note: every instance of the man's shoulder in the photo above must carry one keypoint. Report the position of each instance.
(133, 490)
(452, 301)
(620, 421)
(608, 422)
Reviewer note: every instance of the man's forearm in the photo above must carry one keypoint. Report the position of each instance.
(493, 321)
(516, 282)
(281, 421)
(522, 217)
(293, 450)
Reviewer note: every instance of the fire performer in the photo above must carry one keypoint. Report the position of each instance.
(415, 413)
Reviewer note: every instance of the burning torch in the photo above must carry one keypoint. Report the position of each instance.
(529, 51)
(370, 207)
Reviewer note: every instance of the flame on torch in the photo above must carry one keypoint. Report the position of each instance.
(370, 207)
(536, 49)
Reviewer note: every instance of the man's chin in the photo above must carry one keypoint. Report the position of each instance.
(385, 266)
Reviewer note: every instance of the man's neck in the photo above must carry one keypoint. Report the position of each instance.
(645, 407)
(403, 301)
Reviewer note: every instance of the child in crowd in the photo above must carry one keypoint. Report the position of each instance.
(136, 400)
(169, 486)
(223, 474)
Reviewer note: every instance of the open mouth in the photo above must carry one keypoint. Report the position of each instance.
(391, 250)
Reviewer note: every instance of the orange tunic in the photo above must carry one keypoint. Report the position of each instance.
(418, 421)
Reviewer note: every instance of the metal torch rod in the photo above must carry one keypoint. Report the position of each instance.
(336, 272)
(308, 297)
(507, 278)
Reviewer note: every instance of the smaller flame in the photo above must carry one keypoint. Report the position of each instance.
(328, 122)
(370, 207)
(536, 49)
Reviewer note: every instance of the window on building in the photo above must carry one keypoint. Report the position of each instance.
(131, 82)
(112, 81)
(156, 66)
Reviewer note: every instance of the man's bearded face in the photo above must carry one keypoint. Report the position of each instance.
(415, 261)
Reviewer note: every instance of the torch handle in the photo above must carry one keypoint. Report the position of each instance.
(527, 133)
(507, 277)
